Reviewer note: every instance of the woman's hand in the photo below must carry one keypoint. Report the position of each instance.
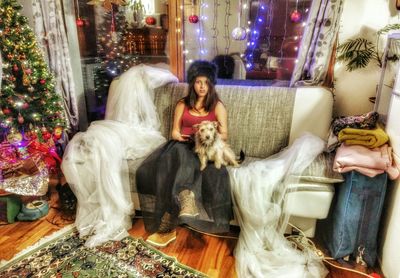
(176, 135)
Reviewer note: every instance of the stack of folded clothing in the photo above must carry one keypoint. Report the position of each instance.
(363, 146)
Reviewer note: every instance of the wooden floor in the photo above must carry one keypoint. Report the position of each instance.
(208, 254)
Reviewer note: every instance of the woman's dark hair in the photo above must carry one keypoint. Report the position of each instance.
(211, 98)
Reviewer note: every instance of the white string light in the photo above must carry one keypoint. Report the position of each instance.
(284, 31)
(214, 27)
(226, 26)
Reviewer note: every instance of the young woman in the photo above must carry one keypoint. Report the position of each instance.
(172, 189)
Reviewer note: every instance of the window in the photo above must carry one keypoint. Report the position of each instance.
(267, 34)
(111, 41)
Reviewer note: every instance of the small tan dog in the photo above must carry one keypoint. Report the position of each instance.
(210, 146)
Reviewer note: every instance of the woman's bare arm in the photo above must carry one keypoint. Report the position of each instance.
(176, 128)
(222, 118)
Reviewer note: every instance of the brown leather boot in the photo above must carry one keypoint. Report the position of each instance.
(188, 204)
(165, 234)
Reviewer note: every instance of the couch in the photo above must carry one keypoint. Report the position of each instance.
(261, 122)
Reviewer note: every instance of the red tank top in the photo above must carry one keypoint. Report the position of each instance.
(188, 120)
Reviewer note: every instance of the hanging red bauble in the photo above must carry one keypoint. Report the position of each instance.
(20, 119)
(295, 16)
(151, 20)
(15, 68)
(193, 18)
(28, 71)
(42, 81)
(80, 22)
(25, 105)
(6, 111)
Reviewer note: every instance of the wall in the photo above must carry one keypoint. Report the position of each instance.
(360, 18)
(364, 18)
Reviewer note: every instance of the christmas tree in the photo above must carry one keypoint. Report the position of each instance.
(29, 104)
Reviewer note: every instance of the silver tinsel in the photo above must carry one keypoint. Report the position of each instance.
(35, 185)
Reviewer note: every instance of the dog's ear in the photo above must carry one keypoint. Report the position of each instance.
(196, 126)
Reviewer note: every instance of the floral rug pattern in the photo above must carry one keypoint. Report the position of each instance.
(66, 256)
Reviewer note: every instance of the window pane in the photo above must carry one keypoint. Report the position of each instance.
(263, 35)
(112, 41)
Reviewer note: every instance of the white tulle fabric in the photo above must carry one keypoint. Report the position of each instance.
(94, 162)
(258, 192)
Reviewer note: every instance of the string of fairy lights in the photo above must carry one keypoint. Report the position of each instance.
(250, 39)
(214, 28)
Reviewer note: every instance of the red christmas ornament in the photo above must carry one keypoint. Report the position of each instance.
(25, 105)
(20, 119)
(15, 68)
(150, 20)
(6, 111)
(80, 22)
(295, 16)
(28, 71)
(42, 81)
(193, 18)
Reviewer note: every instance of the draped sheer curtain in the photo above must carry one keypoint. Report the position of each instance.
(317, 43)
(50, 30)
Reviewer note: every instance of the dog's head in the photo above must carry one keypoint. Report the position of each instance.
(206, 132)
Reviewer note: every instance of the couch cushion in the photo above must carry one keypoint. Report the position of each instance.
(165, 99)
(259, 118)
(320, 171)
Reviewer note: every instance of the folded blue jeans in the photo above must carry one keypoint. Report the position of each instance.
(353, 222)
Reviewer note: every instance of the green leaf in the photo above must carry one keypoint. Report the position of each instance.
(356, 53)
(388, 28)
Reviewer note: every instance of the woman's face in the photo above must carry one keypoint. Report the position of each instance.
(201, 86)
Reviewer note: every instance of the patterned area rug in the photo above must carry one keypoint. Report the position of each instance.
(66, 256)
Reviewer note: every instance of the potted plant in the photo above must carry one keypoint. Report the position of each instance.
(357, 53)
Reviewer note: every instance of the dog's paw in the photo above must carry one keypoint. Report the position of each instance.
(235, 164)
(202, 167)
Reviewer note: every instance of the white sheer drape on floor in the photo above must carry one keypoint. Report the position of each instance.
(318, 42)
(94, 162)
(50, 30)
(258, 192)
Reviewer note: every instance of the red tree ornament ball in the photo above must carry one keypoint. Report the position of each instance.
(20, 119)
(80, 22)
(193, 19)
(150, 20)
(295, 16)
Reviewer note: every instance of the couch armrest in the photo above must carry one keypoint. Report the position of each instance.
(312, 112)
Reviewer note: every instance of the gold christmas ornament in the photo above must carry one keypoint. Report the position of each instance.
(14, 137)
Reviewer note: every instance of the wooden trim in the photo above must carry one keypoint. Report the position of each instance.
(175, 35)
(329, 79)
